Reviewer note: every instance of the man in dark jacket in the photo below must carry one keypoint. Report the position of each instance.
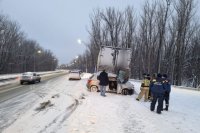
(157, 90)
(167, 88)
(152, 80)
(103, 78)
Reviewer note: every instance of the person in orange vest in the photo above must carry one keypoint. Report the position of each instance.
(144, 88)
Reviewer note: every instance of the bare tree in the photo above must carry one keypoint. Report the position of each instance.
(165, 41)
(183, 20)
(162, 15)
(19, 54)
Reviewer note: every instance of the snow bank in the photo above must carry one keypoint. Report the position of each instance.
(86, 75)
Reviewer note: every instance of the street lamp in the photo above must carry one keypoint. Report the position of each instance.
(81, 42)
(53, 62)
(39, 52)
(1, 33)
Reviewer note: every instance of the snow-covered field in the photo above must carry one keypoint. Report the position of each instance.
(76, 110)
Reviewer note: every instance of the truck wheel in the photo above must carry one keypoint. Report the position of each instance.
(21, 82)
(131, 91)
(93, 88)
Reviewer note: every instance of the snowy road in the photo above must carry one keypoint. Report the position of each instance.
(14, 103)
(72, 109)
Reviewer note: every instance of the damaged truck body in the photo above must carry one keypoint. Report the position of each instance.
(116, 62)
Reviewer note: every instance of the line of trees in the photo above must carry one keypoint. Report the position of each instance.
(165, 38)
(20, 54)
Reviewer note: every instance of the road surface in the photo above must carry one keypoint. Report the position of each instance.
(18, 100)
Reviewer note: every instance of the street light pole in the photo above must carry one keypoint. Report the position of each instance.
(39, 52)
(34, 62)
(81, 42)
(1, 34)
(52, 63)
(86, 63)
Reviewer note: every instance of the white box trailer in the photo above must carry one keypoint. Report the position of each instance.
(116, 62)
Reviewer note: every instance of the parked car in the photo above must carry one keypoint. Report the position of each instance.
(114, 86)
(75, 75)
(30, 77)
(93, 82)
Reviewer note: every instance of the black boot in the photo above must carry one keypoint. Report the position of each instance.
(166, 108)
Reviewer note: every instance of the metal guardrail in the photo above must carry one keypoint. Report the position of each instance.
(8, 85)
(8, 79)
(3, 79)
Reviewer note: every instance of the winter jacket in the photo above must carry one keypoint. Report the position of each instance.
(103, 78)
(167, 86)
(145, 83)
(157, 86)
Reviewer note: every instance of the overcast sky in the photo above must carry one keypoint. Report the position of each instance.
(57, 24)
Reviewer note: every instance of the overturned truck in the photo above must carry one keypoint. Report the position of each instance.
(116, 62)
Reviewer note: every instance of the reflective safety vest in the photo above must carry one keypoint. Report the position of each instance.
(146, 83)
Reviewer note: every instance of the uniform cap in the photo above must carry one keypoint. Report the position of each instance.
(159, 75)
(164, 75)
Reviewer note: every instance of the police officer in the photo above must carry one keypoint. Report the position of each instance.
(157, 90)
(152, 80)
(167, 88)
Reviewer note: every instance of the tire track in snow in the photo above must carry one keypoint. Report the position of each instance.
(12, 108)
(61, 118)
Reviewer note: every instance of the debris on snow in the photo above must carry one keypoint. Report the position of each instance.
(55, 96)
(44, 105)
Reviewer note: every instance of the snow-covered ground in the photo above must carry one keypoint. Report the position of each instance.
(76, 110)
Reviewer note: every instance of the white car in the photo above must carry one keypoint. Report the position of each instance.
(119, 88)
(74, 75)
(30, 77)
